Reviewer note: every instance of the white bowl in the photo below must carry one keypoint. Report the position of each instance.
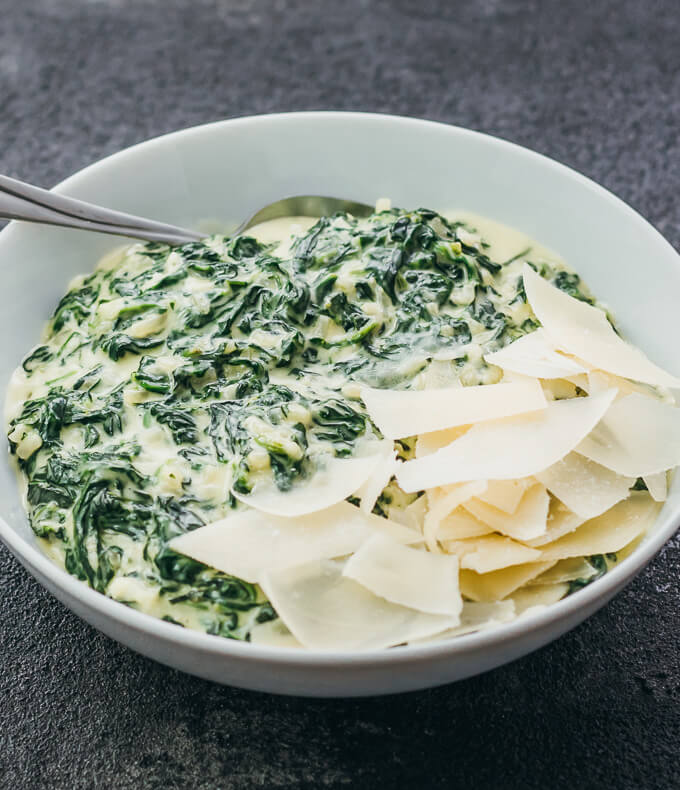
(225, 171)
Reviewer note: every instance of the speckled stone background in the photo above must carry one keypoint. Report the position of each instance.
(593, 84)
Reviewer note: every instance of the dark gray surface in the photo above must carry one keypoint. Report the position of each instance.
(595, 85)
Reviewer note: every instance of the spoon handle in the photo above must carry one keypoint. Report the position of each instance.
(19, 200)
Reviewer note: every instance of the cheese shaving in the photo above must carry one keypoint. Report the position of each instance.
(273, 634)
(429, 443)
(506, 494)
(459, 525)
(528, 521)
(534, 355)
(638, 436)
(480, 616)
(607, 533)
(530, 599)
(561, 521)
(599, 381)
(445, 504)
(249, 544)
(584, 331)
(381, 475)
(401, 413)
(477, 616)
(566, 571)
(491, 553)
(417, 579)
(496, 585)
(335, 481)
(585, 487)
(325, 610)
(412, 516)
(511, 448)
(657, 485)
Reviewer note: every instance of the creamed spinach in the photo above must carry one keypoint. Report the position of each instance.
(172, 377)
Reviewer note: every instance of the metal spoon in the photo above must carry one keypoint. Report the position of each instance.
(19, 200)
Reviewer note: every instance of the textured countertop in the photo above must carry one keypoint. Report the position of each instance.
(595, 85)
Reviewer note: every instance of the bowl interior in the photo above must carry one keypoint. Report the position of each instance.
(223, 172)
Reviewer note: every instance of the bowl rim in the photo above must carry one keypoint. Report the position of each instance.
(599, 591)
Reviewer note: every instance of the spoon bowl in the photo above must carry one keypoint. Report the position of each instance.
(19, 200)
(306, 206)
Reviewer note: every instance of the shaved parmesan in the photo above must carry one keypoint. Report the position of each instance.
(428, 443)
(380, 476)
(530, 598)
(528, 521)
(561, 521)
(400, 413)
(599, 381)
(459, 525)
(411, 516)
(627, 550)
(445, 504)
(499, 584)
(338, 479)
(566, 571)
(638, 436)
(325, 610)
(584, 331)
(250, 543)
(582, 383)
(607, 533)
(506, 494)
(585, 487)
(491, 552)
(559, 389)
(477, 616)
(273, 634)
(510, 448)
(657, 485)
(417, 579)
(534, 355)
